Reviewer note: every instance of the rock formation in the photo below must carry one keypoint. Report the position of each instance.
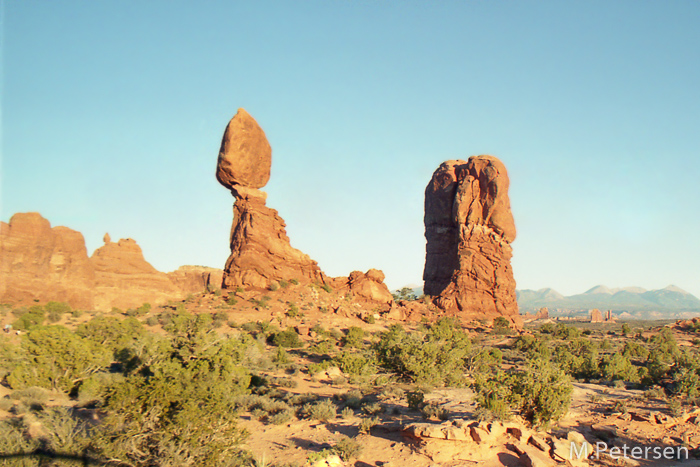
(39, 263)
(260, 249)
(368, 286)
(469, 228)
(596, 316)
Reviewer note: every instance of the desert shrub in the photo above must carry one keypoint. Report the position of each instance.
(283, 283)
(289, 339)
(293, 310)
(347, 412)
(178, 408)
(281, 356)
(315, 368)
(541, 393)
(493, 394)
(294, 281)
(626, 330)
(533, 346)
(152, 321)
(354, 363)
(618, 367)
(654, 393)
(13, 441)
(29, 318)
(347, 448)
(663, 353)
(53, 357)
(415, 399)
(56, 310)
(352, 399)
(354, 337)
(113, 333)
(373, 408)
(686, 381)
(367, 423)
(546, 328)
(434, 411)
(436, 356)
(322, 411)
(327, 288)
(480, 359)
(562, 331)
(140, 311)
(501, 325)
(633, 349)
(231, 300)
(578, 358)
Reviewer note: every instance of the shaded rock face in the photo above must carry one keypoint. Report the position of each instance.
(260, 249)
(41, 263)
(469, 228)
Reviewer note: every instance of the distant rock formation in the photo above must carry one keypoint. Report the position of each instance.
(39, 264)
(596, 316)
(469, 228)
(260, 250)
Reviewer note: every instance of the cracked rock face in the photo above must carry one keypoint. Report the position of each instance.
(469, 228)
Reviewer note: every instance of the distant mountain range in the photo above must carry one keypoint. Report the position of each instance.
(625, 302)
(630, 302)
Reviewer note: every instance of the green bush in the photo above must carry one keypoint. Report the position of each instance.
(618, 367)
(354, 337)
(322, 411)
(289, 339)
(353, 363)
(53, 357)
(501, 325)
(541, 393)
(347, 448)
(436, 356)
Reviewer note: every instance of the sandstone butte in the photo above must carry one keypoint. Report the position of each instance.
(469, 229)
(39, 263)
(261, 253)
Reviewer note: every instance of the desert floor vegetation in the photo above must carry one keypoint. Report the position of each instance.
(276, 378)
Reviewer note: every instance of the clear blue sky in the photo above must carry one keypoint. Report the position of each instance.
(113, 111)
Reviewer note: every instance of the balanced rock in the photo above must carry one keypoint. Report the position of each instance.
(245, 156)
(260, 249)
(469, 228)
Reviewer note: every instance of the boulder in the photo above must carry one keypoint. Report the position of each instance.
(245, 157)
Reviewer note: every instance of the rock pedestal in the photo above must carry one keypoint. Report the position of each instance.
(260, 250)
(469, 228)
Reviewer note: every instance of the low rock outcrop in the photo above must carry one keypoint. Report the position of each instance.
(469, 228)
(40, 263)
(260, 249)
